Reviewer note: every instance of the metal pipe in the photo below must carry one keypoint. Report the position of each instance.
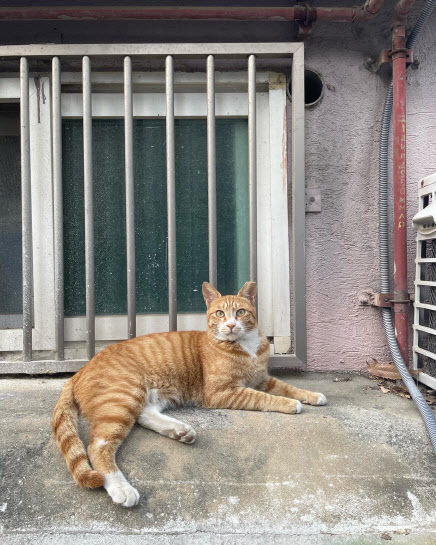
(302, 14)
(171, 194)
(211, 170)
(130, 199)
(58, 208)
(26, 211)
(252, 192)
(401, 309)
(89, 207)
(401, 11)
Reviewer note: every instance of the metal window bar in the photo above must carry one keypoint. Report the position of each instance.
(168, 51)
(252, 158)
(89, 207)
(130, 199)
(171, 194)
(58, 208)
(211, 170)
(26, 203)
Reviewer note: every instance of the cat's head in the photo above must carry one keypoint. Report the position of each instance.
(229, 317)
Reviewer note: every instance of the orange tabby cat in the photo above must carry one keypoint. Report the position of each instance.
(133, 381)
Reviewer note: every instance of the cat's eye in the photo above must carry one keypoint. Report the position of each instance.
(240, 312)
(219, 313)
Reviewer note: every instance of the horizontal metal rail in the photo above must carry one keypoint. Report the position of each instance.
(424, 352)
(425, 305)
(425, 283)
(424, 328)
(425, 260)
(200, 50)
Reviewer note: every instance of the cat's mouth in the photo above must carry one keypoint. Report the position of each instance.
(229, 336)
(232, 335)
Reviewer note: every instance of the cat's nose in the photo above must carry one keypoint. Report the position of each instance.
(231, 326)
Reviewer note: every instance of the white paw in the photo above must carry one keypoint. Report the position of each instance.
(298, 408)
(121, 491)
(322, 400)
(185, 434)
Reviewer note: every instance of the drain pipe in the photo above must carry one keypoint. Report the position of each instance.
(424, 409)
(401, 297)
(302, 14)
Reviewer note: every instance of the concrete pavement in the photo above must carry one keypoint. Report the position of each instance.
(358, 471)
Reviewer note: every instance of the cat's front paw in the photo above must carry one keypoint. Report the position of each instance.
(183, 433)
(322, 400)
(187, 436)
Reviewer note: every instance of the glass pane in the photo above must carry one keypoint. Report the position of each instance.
(10, 212)
(151, 214)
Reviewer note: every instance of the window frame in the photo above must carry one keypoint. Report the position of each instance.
(273, 219)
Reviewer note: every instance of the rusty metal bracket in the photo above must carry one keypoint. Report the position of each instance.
(387, 300)
(385, 57)
(382, 300)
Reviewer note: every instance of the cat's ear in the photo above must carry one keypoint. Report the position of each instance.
(210, 293)
(248, 291)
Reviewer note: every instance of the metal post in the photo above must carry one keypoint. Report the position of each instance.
(211, 169)
(26, 205)
(58, 208)
(401, 310)
(252, 193)
(89, 208)
(130, 199)
(171, 194)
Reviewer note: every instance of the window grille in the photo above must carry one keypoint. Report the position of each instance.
(45, 328)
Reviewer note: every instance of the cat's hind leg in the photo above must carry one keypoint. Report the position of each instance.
(106, 437)
(152, 418)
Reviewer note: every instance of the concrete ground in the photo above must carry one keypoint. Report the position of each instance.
(358, 471)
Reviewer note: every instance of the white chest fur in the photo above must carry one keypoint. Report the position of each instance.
(250, 342)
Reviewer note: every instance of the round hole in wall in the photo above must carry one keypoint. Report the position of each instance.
(313, 88)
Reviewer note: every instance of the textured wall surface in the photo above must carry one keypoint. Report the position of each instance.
(342, 134)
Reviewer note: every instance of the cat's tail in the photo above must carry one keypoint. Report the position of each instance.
(64, 423)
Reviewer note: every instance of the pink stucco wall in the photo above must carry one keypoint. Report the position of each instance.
(342, 135)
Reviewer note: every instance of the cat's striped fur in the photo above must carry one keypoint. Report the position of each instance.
(133, 381)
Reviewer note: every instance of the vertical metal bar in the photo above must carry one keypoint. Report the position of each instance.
(401, 310)
(252, 193)
(58, 208)
(298, 205)
(171, 194)
(130, 199)
(26, 206)
(211, 169)
(89, 208)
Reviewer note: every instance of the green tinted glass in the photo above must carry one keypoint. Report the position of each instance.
(151, 213)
